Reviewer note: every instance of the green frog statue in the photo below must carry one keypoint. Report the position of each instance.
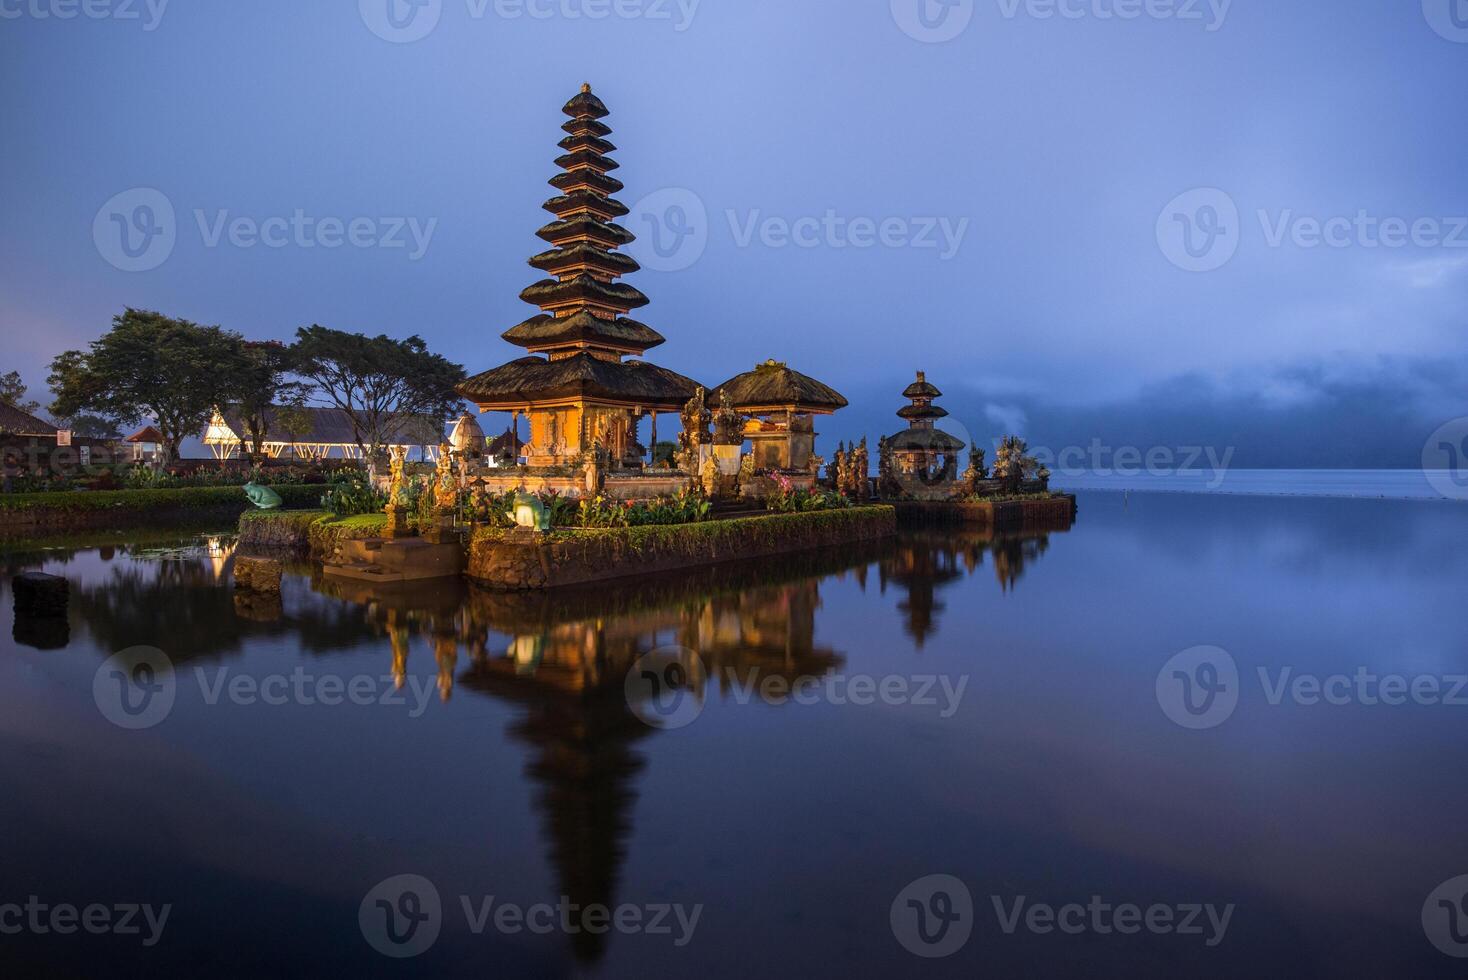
(527, 510)
(263, 498)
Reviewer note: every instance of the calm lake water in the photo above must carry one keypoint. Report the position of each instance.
(1012, 714)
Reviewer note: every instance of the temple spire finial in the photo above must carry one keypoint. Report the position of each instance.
(586, 88)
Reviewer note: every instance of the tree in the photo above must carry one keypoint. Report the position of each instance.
(149, 366)
(258, 386)
(380, 384)
(89, 426)
(13, 393)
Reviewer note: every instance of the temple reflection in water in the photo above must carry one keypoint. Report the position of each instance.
(564, 658)
(561, 659)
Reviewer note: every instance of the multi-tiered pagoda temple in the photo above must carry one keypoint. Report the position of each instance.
(578, 387)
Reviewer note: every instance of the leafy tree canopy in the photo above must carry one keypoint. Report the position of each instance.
(380, 383)
(13, 393)
(149, 366)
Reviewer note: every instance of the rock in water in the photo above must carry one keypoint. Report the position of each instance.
(39, 594)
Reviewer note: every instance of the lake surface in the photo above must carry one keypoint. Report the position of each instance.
(1030, 717)
(1205, 477)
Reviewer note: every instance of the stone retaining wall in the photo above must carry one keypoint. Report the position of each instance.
(520, 560)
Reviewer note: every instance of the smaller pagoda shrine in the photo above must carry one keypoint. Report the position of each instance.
(779, 405)
(922, 460)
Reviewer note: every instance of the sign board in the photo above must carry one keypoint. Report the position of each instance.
(63, 437)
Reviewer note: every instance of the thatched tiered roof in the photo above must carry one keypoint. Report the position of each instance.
(931, 440)
(535, 379)
(773, 385)
(920, 434)
(583, 326)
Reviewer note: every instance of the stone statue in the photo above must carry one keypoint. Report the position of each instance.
(746, 468)
(262, 497)
(843, 471)
(886, 475)
(710, 477)
(838, 460)
(397, 488)
(446, 485)
(728, 423)
(860, 470)
(976, 472)
(594, 468)
(527, 510)
(695, 430)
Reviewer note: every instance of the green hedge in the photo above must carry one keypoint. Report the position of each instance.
(181, 499)
(300, 530)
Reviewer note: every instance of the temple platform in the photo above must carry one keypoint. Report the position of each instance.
(383, 560)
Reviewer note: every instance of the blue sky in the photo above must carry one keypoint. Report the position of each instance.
(1022, 196)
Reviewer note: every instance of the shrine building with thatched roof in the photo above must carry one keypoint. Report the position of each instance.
(779, 403)
(583, 384)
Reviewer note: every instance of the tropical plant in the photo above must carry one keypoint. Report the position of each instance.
(350, 493)
(789, 499)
